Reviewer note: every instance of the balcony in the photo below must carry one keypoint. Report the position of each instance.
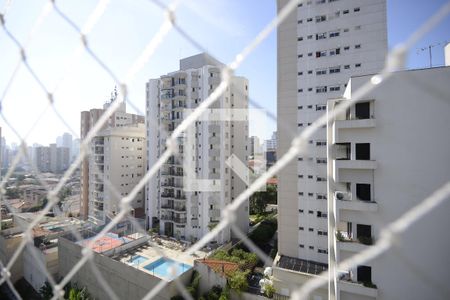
(174, 219)
(215, 140)
(355, 164)
(357, 288)
(357, 205)
(214, 152)
(355, 124)
(348, 243)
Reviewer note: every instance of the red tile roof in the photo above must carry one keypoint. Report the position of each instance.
(220, 266)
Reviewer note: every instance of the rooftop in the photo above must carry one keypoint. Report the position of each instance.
(301, 265)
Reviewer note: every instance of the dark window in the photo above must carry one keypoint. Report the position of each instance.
(362, 110)
(362, 151)
(363, 231)
(364, 274)
(363, 191)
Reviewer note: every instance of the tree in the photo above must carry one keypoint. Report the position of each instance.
(46, 291)
(238, 281)
(257, 203)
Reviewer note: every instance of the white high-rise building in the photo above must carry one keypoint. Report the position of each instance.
(120, 118)
(115, 167)
(386, 154)
(320, 46)
(177, 209)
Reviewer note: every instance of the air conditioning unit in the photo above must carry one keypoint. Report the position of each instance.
(342, 195)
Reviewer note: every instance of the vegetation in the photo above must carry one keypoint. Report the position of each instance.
(340, 236)
(238, 281)
(70, 292)
(264, 232)
(269, 290)
(365, 240)
(12, 193)
(246, 260)
(259, 200)
(369, 284)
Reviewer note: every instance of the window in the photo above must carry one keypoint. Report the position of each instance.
(310, 176)
(347, 67)
(311, 247)
(336, 51)
(310, 54)
(309, 89)
(310, 194)
(309, 20)
(334, 33)
(362, 110)
(302, 246)
(299, 21)
(300, 107)
(309, 71)
(310, 212)
(334, 88)
(356, 9)
(301, 228)
(300, 159)
(322, 18)
(300, 176)
(300, 39)
(321, 89)
(362, 151)
(363, 191)
(300, 124)
(334, 70)
(310, 37)
(310, 106)
(322, 251)
(321, 72)
(346, 29)
(300, 90)
(364, 274)
(321, 36)
(346, 48)
(300, 211)
(357, 65)
(321, 53)
(300, 193)
(300, 73)
(311, 229)
(358, 46)
(321, 107)
(300, 56)
(345, 12)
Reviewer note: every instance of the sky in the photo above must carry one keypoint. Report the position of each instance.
(222, 27)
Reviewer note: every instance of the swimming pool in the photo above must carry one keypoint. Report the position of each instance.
(137, 260)
(163, 268)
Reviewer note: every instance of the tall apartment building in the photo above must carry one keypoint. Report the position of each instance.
(119, 118)
(320, 46)
(115, 167)
(386, 154)
(50, 159)
(177, 209)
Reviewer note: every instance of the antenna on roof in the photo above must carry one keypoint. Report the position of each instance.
(429, 47)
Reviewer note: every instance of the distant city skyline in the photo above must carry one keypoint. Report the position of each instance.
(127, 25)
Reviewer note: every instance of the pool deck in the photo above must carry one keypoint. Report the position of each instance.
(153, 253)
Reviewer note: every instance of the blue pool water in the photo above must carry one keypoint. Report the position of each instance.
(137, 260)
(163, 268)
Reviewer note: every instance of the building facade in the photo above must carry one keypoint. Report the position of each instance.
(383, 161)
(89, 118)
(173, 205)
(115, 167)
(320, 45)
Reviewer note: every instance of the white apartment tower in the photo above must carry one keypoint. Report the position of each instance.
(386, 154)
(320, 46)
(120, 118)
(179, 211)
(116, 165)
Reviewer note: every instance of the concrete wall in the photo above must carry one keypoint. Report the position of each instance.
(32, 267)
(7, 248)
(125, 281)
(209, 278)
(286, 281)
